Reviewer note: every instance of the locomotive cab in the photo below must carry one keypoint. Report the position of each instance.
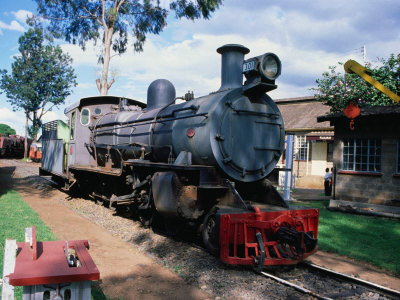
(83, 118)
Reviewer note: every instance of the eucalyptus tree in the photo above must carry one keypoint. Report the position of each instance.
(111, 22)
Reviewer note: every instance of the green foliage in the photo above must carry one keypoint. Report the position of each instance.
(367, 238)
(5, 129)
(41, 76)
(337, 90)
(80, 21)
(111, 21)
(33, 130)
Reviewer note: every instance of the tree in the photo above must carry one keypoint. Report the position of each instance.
(5, 129)
(41, 78)
(337, 90)
(111, 21)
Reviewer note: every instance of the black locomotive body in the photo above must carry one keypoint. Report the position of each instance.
(201, 163)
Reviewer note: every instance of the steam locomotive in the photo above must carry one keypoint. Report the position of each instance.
(199, 164)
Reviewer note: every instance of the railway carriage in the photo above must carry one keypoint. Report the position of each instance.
(199, 164)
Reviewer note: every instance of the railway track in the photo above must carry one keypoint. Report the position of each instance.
(326, 284)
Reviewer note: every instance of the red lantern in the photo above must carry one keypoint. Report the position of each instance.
(351, 111)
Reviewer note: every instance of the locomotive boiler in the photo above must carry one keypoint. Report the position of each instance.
(199, 164)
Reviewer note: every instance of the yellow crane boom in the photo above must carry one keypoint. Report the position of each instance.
(351, 66)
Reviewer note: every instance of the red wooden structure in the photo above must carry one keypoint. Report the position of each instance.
(56, 263)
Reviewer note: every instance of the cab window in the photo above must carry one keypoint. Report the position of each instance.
(85, 116)
(72, 126)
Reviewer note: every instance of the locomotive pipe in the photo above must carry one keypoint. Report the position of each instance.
(142, 122)
(231, 66)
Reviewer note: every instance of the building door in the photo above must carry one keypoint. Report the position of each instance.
(318, 158)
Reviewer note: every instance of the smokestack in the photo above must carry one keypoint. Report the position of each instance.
(232, 64)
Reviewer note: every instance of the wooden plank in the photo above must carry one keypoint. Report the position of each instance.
(365, 208)
(10, 253)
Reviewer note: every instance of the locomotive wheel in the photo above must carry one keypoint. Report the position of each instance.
(209, 232)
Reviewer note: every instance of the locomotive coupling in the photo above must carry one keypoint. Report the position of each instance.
(301, 241)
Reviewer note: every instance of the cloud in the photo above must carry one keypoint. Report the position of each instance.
(21, 15)
(14, 25)
(80, 57)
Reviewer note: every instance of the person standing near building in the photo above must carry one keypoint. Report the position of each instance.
(327, 182)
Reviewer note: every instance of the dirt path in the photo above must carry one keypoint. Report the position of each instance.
(125, 272)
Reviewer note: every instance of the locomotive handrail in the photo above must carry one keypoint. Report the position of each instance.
(141, 123)
(128, 146)
(255, 113)
(191, 107)
(137, 146)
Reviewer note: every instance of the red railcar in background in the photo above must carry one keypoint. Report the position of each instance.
(12, 145)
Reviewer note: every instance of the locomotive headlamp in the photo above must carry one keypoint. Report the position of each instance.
(267, 65)
(261, 72)
(270, 66)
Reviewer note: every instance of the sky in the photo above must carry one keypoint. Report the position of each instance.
(308, 36)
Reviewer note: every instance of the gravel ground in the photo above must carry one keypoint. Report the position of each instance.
(189, 261)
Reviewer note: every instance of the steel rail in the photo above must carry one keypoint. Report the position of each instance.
(353, 279)
(295, 286)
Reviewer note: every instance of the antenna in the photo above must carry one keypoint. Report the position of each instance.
(364, 54)
(363, 51)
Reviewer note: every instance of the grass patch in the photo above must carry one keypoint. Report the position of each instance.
(367, 238)
(15, 216)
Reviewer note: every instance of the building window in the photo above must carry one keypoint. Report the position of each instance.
(329, 154)
(300, 147)
(398, 157)
(362, 155)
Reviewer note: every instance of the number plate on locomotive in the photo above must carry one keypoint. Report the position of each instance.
(248, 66)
